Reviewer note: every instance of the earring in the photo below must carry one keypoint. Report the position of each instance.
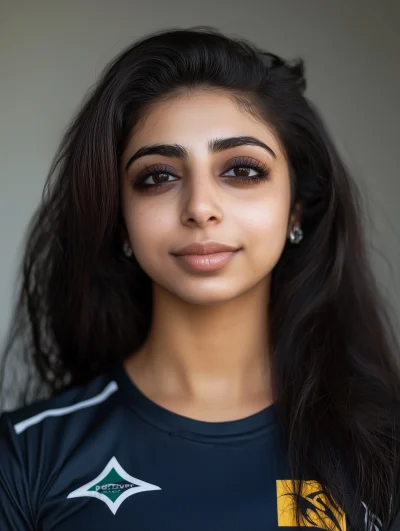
(127, 250)
(296, 235)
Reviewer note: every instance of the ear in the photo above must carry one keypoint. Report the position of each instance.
(297, 211)
(295, 217)
(123, 233)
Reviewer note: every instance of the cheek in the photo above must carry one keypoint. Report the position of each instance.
(266, 215)
(149, 227)
(265, 227)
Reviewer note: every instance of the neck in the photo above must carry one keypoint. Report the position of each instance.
(213, 353)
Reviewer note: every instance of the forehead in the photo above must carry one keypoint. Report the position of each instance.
(192, 119)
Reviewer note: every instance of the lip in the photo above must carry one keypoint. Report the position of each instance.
(205, 257)
(205, 248)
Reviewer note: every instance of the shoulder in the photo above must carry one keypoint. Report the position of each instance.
(37, 440)
(49, 415)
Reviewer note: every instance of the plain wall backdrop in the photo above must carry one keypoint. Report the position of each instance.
(52, 52)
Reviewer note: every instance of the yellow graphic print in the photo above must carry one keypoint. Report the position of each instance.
(317, 509)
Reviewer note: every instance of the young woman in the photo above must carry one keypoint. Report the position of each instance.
(198, 302)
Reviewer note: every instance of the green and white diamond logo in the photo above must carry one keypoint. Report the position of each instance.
(113, 486)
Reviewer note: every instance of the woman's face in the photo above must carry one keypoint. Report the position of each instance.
(190, 192)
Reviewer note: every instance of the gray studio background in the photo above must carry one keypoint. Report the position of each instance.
(52, 51)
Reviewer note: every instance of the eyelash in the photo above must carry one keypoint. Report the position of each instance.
(159, 169)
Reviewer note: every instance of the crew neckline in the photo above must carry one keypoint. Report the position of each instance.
(253, 425)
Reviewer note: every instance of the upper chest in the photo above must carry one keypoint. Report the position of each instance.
(174, 488)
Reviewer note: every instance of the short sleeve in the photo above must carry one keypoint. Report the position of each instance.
(15, 511)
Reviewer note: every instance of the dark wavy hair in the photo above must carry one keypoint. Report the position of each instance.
(83, 306)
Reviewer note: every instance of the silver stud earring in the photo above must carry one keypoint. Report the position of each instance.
(296, 235)
(127, 249)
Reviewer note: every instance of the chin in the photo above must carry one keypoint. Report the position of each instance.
(207, 295)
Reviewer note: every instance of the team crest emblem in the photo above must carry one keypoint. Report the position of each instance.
(113, 486)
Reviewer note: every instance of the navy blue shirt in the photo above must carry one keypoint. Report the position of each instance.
(104, 456)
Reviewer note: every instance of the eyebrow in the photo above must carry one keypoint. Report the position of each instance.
(214, 146)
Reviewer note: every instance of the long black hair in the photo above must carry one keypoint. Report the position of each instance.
(83, 306)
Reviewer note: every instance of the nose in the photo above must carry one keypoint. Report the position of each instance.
(201, 203)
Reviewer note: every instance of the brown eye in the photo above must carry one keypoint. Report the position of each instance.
(154, 177)
(247, 170)
(243, 171)
(158, 178)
